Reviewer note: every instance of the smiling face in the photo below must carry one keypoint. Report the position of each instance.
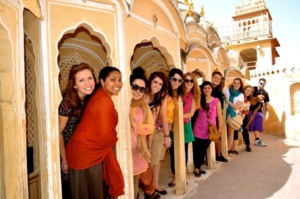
(113, 83)
(236, 85)
(156, 85)
(207, 90)
(139, 84)
(248, 91)
(216, 79)
(84, 83)
(188, 83)
(176, 81)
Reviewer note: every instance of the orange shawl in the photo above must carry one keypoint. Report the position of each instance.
(94, 140)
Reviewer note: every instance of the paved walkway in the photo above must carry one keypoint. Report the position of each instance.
(266, 172)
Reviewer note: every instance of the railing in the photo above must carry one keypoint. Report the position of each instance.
(245, 32)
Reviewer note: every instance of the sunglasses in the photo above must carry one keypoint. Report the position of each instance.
(189, 80)
(136, 88)
(174, 79)
(262, 83)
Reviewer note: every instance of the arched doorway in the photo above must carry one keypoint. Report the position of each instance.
(32, 138)
(150, 58)
(82, 45)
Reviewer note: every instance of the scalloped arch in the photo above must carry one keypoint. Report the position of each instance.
(93, 32)
(163, 50)
(203, 51)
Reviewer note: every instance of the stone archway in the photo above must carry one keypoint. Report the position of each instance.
(200, 76)
(152, 57)
(148, 57)
(32, 123)
(79, 45)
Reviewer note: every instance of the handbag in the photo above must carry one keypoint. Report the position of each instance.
(235, 122)
(213, 133)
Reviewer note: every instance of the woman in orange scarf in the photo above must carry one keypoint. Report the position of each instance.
(90, 152)
(142, 124)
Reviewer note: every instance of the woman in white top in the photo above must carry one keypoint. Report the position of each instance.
(234, 101)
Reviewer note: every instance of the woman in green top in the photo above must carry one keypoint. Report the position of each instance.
(191, 102)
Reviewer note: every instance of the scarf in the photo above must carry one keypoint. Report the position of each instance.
(141, 139)
(232, 95)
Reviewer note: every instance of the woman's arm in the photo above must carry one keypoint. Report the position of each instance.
(163, 116)
(192, 111)
(150, 137)
(62, 123)
(141, 128)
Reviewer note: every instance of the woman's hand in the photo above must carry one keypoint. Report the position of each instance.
(64, 167)
(220, 131)
(148, 156)
(167, 142)
(261, 97)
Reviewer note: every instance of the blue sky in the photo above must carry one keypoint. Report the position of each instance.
(285, 15)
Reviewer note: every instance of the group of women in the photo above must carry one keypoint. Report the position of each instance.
(87, 129)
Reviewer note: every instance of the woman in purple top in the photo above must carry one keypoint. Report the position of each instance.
(210, 109)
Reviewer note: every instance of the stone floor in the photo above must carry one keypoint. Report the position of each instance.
(266, 172)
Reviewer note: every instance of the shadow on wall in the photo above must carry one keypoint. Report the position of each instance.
(275, 125)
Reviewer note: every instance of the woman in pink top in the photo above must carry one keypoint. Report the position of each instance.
(210, 109)
(142, 124)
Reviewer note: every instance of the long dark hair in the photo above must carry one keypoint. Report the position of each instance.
(71, 95)
(159, 96)
(172, 72)
(203, 99)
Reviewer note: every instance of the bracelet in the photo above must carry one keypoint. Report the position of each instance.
(167, 135)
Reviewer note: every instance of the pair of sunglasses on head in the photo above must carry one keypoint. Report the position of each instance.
(262, 83)
(174, 79)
